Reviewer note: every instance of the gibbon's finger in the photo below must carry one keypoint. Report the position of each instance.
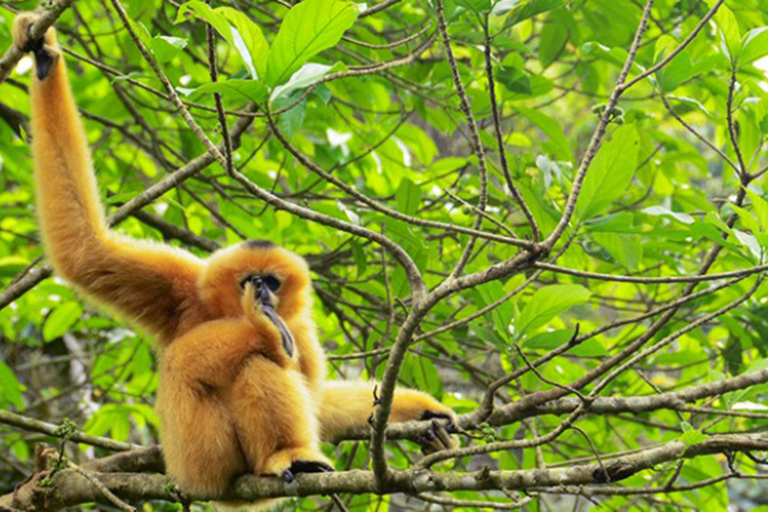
(446, 440)
(429, 443)
(285, 334)
(268, 308)
(45, 57)
(436, 439)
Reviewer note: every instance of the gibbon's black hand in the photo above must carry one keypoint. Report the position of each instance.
(262, 294)
(43, 60)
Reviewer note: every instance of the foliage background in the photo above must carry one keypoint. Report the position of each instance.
(655, 201)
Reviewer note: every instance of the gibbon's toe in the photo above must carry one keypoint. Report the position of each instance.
(438, 437)
(305, 466)
(291, 462)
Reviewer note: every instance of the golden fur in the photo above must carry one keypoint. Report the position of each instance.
(230, 398)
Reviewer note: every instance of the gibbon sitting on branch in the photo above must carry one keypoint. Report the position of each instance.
(242, 374)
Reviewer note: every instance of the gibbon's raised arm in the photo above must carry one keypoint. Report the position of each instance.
(149, 283)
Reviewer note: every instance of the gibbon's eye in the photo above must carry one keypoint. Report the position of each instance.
(245, 280)
(271, 281)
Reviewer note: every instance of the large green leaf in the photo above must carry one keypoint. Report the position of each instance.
(61, 320)
(10, 388)
(521, 10)
(408, 197)
(547, 303)
(237, 29)
(309, 28)
(559, 142)
(610, 173)
(754, 45)
(248, 90)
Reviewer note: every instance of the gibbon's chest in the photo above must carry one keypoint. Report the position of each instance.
(216, 351)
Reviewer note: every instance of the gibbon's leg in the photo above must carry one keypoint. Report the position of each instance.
(275, 421)
(152, 284)
(347, 405)
(197, 434)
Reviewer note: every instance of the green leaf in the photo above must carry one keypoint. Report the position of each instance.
(425, 375)
(627, 250)
(408, 197)
(248, 90)
(309, 28)
(610, 173)
(290, 122)
(554, 36)
(747, 218)
(690, 435)
(246, 33)
(730, 35)
(559, 142)
(521, 10)
(514, 79)
(501, 316)
(679, 70)
(12, 265)
(663, 210)
(477, 6)
(237, 29)
(616, 56)
(165, 48)
(60, 321)
(754, 46)
(10, 388)
(547, 303)
(309, 74)
(760, 207)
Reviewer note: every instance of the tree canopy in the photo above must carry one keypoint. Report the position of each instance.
(550, 214)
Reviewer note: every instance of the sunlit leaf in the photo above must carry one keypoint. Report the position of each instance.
(309, 28)
(547, 303)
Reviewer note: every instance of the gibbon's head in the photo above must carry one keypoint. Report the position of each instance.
(285, 274)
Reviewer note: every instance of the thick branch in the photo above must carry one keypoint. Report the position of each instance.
(70, 488)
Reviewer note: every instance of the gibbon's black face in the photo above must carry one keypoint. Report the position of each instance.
(271, 282)
(263, 286)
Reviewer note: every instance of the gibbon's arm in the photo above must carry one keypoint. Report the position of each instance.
(347, 405)
(146, 282)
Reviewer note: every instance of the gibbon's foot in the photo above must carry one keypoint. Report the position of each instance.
(301, 466)
(44, 49)
(438, 437)
(289, 463)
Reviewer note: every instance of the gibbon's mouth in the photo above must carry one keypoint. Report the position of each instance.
(262, 288)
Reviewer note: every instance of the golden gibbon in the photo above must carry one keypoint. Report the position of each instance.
(242, 374)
